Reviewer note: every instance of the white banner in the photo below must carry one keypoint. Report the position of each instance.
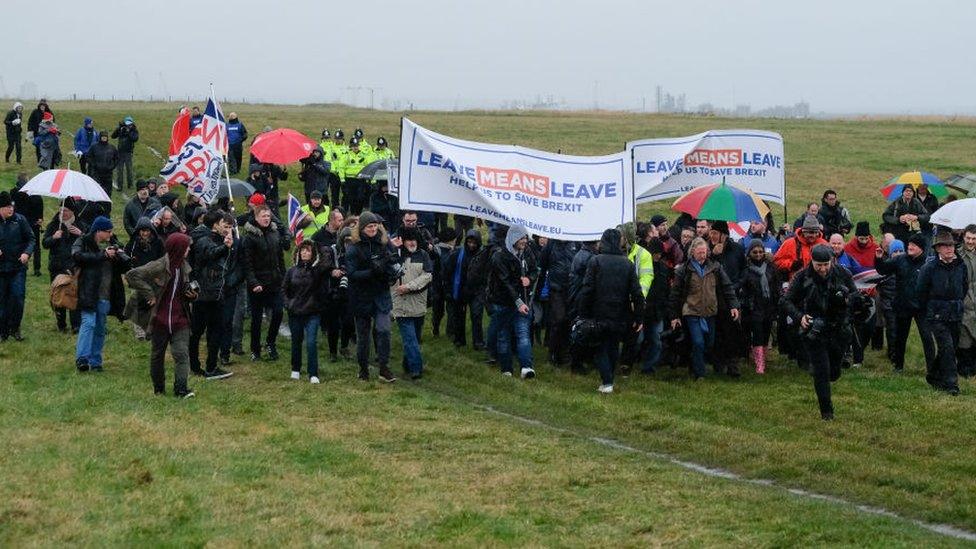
(554, 195)
(670, 167)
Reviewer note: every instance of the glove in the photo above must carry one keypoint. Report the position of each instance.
(16, 122)
(78, 154)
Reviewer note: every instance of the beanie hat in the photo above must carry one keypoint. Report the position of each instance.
(896, 246)
(256, 199)
(756, 243)
(917, 239)
(810, 223)
(315, 194)
(88, 121)
(5, 199)
(821, 253)
(409, 233)
(368, 217)
(141, 184)
(658, 219)
(721, 226)
(863, 229)
(101, 223)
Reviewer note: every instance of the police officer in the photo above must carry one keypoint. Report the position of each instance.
(819, 301)
(337, 150)
(354, 189)
(382, 150)
(363, 143)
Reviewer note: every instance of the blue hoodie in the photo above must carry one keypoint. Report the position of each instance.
(86, 137)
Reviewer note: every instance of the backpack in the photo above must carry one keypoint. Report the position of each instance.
(477, 276)
(64, 292)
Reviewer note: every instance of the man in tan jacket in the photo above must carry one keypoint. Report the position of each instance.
(409, 293)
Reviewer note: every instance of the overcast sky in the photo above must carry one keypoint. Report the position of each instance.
(842, 56)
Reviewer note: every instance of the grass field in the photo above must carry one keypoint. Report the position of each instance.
(260, 460)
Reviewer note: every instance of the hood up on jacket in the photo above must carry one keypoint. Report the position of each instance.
(474, 234)
(515, 233)
(610, 242)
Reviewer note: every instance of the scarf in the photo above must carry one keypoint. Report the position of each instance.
(763, 278)
(456, 287)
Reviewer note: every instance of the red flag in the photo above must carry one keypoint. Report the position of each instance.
(180, 132)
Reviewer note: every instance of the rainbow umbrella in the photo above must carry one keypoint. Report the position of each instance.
(894, 186)
(721, 202)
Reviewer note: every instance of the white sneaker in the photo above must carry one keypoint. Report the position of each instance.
(313, 380)
(507, 374)
(296, 375)
(605, 389)
(856, 365)
(528, 373)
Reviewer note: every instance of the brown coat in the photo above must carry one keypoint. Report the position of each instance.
(148, 282)
(693, 295)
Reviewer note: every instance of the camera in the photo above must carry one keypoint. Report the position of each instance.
(815, 329)
(193, 287)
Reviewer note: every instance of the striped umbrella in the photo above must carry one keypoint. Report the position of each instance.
(896, 185)
(721, 202)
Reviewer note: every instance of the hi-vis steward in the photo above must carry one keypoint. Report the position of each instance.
(560, 196)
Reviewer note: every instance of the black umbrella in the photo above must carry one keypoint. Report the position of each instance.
(374, 170)
(238, 188)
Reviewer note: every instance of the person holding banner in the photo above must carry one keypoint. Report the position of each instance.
(511, 288)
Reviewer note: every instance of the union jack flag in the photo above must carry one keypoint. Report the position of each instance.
(295, 216)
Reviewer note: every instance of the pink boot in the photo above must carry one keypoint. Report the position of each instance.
(759, 357)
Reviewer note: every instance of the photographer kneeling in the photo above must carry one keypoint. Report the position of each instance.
(819, 300)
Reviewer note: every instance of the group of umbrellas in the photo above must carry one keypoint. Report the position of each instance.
(725, 202)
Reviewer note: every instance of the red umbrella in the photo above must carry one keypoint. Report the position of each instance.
(282, 146)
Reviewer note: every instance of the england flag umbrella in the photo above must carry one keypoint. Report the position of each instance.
(61, 184)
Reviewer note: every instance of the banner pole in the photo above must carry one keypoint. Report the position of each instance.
(223, 154)
(633, 185)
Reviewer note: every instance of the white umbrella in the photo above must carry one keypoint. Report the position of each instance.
(957, 214)
(64, 183)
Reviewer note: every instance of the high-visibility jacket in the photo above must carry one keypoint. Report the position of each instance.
(334, 153)
(643, 266)
(365, 146)
(318, 221)
(385, 153)
(351, 163)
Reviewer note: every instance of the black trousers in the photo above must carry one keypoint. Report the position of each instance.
(476, 310)
(337, 325)
(271, 300)
(208, 316)
(825, 357)
(942, 374)
(557, 330)
(903, 326)
(234, 153)
(13, 143)
(37, 248)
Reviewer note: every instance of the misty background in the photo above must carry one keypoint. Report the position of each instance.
(833, 57)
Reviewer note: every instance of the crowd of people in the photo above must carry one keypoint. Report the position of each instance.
(646, 296)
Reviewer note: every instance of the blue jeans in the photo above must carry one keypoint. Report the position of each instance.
(508, 322)
(13, 286)
(652, 342)
(702, 341)
(304, 328)
(410, 330)
(91, 336)
(606, 356)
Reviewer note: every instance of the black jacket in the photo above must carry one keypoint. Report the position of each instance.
(30, 206)
(905, 268)
(134, 210)
(611, 293)
(315, 177)
(750, 291)
(576, 274)
(835, 219)
(16, 238)
(35, 118)
(59, 249)
(127, 136)
(14, 131)
(102, 158)
(504, 285)
(450, 267)
(899, 208)
(732, 259)
(656, 304)
(209, 260)
(942, 288)
(324, 237)
(371, 267)
(826, 298)
(305, 286)
(89, 258)
(555, 261)
(264, 264)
